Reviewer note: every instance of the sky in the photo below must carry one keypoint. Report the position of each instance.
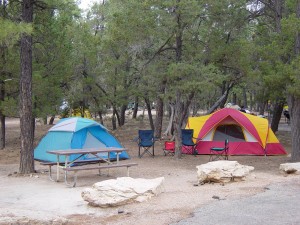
(85, 4)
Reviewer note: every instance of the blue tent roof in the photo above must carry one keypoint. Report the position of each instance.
(76, 133)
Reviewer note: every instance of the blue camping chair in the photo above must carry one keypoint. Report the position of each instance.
(146, 140)
(187, 137)
(217, 153)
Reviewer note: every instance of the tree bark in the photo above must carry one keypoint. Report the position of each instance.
(177, 125)
(277, 112)
(160, 110)
(51, 120)
(251, 101)
(278, 6)
(178, 109)
(223, 98)
(234, 98)
(2, 116)
(26, 117)
(245, 102)
(169, 131)
(294, 106)
(136, 107)
(122, 115)
(100, 117)
(261, 108)
(149, 107)
(159, 117)
(2, 130)
(113, 121)
(294, 110)
(3, 49)
(115, 116)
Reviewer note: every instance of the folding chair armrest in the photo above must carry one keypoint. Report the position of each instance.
(197, 139)
(217, 149)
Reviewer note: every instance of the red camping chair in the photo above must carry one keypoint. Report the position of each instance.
(169, 148)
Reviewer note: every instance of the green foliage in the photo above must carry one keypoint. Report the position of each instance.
(9, 107)
(51, 52)
(10, 31)
(292, 71)
(129, 48)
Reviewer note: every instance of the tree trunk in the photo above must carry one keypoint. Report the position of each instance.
(277, 112)
(159, 117)
(222, 99)
(2, 131)
(100, 117)
(294, 107)
(261, 108)
(2, 116)
(278, 7)
(294, 110)
(245, 102)
(116, 115)
(135, 108)
(51, 120)
(177, 125)
(251, 101)
(234, 98)
(169, 131)
(3, 49)
(159, 110)
(122, 115)
(26, 117)
(148, 106)
(178, 109)
(113, 120)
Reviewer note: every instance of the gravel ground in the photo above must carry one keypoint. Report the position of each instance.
(277, 205)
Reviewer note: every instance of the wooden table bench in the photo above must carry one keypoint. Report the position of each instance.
(79, 163)
(62, 165)
(79, 168)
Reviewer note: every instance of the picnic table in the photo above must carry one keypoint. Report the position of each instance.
(79, 163)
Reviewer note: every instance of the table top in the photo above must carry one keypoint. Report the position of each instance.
(86, 151)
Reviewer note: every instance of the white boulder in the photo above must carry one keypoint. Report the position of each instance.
(222, 171)
(290, 168)
(123, 190)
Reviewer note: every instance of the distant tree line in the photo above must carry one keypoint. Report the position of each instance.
(183, 56)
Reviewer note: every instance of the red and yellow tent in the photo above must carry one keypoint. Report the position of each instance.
(247, 134)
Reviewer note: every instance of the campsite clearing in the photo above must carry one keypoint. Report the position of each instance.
(34, 199)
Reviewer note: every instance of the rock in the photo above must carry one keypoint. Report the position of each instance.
(222, 171)
(290, 168)
(121, 191)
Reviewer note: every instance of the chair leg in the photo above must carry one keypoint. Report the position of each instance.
(153, 151)
(214, 155)
(146, 150)
(195, 152)
(226, 156)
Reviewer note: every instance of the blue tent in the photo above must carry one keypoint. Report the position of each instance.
(76, 133)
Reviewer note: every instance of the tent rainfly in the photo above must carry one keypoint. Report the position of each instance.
(247, 134)
(76, 133)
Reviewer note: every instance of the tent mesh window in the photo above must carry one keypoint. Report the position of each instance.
(232, 132)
